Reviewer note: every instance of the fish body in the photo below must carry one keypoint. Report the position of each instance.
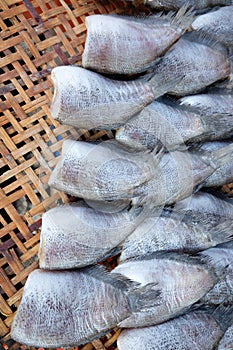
(181, 333)
(201, 62)
(218, 24)
(77, 235)
(173, 126)
(165, 233)
(214, 102)
(174, 5)
(129, 45)
(222, 290)
(179, 173)
(205, 208)
(69, 308)
(103, 171)
(182, 281)
(87, 100)
(224, 174)
(226, 343)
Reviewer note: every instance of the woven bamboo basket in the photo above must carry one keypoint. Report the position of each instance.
(35, 37)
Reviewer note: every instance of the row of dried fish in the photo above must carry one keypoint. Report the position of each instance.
(66, 308)
(108, 171)
(127, 182)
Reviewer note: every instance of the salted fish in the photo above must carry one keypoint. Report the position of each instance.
(199, 330)
(181, 279)
(129, 45)
(174, 233)
(174, 126)
(69, 308)
(222, 291)
(102, 171)
(178, 174)
(77, 235)
(218, 24)
(88, 100)
(201, 61)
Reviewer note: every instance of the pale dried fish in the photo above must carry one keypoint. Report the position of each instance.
(199, 330)
(104, 171)
(129, 45)
(77, 235)
(182, 281)
(69, 308)
(87, 100)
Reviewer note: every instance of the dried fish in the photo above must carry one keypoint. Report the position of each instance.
(173, 126)
(222, 291)
(216, 101)
(182, 281)
(218, 24)
(176, 4)
(179, 173)
(69, 308)
(226, 343)
(201, 60)
(129, 45)
(87, 100)
(174, 233)
(182, 333)
(104, 171)
(77, 235)
(224, 174)
(206, 208)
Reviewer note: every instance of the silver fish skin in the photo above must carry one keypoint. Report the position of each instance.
(174, 5)
(222, 291)
(206, 208)
(226, 343)
(216, 101)
(104, 171)
(69, 308)
(224, 174)
(218, 24)
(173, 126)
(182, 281)
(181, 333)
(201, 61)
(178, 174)
(77, 235)
(87, 100)
(128, 45)
(166, 233)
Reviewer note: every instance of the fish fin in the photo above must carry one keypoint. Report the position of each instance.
(217, 158)
(161, 84)
(184, 17)
(143, 297)
(223, 315)
(116, 280)
(222, 232)
(226, 245)
(217, 272)
(206, 39)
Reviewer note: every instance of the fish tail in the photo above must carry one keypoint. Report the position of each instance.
(184, 17)
(223, 315)
(143, 297)
(162, 83)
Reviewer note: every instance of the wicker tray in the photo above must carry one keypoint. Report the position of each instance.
(35, 36)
